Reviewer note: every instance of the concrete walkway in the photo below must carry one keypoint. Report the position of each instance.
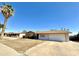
(54, 49)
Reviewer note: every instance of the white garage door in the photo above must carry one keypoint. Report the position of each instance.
(57, 37)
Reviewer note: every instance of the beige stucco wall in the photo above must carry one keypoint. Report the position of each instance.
(55, 37)
(67, 37)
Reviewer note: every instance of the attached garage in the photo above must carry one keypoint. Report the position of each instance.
(56, 35)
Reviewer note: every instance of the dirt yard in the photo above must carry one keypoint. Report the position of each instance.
(30, 47)
(21, 45)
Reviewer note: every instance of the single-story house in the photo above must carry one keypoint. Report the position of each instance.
(56, 35)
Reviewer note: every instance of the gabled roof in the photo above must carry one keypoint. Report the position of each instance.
(53, 32)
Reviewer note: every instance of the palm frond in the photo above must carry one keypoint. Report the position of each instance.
(7, 10)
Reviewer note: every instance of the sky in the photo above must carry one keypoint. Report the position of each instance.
(43, 16)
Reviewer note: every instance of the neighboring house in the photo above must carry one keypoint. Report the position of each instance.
(21, 35)
(11, 34)
(55, 35)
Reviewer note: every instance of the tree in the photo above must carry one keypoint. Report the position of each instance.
(24, 31)
(74, 37)
(30, 35)
(7, 11)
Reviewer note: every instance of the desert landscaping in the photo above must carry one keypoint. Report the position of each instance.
(38, 30)
(20, 45)
(31, 47)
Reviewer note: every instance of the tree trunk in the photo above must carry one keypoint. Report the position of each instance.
(3, 29)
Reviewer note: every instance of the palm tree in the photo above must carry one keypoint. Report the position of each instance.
(7, 11)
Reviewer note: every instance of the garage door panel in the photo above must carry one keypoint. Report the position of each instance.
(57, 37)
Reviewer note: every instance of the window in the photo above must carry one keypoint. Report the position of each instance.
(42, 35)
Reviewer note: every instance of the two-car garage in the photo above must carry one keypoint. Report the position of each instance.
(54, 35)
